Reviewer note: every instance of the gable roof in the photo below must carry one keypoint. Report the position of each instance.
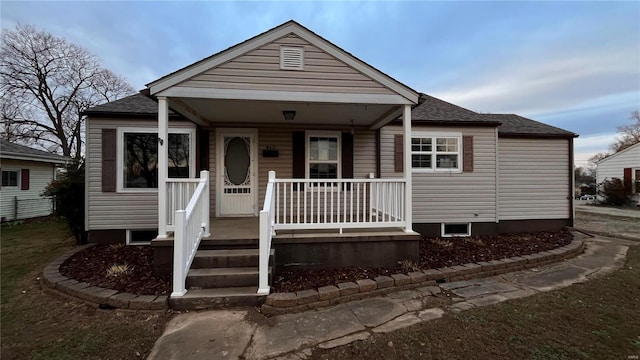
(20, 152)
(516, 125)
(136, 105)
(289, 27)
(618, 153)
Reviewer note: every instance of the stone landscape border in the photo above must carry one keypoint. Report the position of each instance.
(293, 302)
(103, 297)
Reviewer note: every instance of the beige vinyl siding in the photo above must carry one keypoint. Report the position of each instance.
(118, 210)
(450, 197)
(533, 179)
(30, 203)
(259, 69)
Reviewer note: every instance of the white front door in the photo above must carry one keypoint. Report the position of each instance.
(237, 191)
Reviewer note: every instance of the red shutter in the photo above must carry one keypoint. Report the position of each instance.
(467, 153)
(24, 179)
(627, 181)
(109, 166)
(398, 151)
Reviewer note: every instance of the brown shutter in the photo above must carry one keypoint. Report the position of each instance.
(298, 157)
(109, 166)
(627, 181)
(398, 151)
(347, 155)
(24, 179)
(467, 153)
(0, 179)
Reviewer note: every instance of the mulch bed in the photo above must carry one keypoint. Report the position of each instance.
(434, 253)
(92, 264)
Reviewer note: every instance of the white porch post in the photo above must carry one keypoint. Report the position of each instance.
(406, 124)
(163, 161)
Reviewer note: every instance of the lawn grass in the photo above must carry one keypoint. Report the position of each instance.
(37, 325)
(598, 319)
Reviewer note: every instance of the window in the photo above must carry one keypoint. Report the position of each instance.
(636, 182)
(141, 237)
(323, 155)
(451, 230)
(436, 152)
(9, 178)
(138, 154)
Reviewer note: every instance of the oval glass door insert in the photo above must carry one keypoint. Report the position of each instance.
(237, 161)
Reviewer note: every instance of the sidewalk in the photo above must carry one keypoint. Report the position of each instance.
(228, 334)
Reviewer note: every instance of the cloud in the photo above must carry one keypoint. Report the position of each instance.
(586, 147)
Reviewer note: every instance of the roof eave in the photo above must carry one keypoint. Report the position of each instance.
(534, 135)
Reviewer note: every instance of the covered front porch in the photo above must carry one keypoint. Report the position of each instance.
(291, 123)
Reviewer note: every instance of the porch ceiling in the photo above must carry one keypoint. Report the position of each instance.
(249, 111)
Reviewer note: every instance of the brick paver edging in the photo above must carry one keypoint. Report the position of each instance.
(285, 303)
(52, 279)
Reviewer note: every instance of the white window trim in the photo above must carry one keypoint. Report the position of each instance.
(468, 233)
(309, 135)
(18, 178)
(434, 136)
(120, 155)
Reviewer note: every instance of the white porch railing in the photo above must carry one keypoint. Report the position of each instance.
(190, 226)
(179, 193)
(339, 204)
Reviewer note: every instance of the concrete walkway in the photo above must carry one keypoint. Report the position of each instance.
(228, 334)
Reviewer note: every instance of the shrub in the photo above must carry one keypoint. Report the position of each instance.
(612, 192)
(68, 190)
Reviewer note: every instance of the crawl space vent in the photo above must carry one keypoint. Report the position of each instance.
(291, 58)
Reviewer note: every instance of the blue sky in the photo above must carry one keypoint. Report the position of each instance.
(575, 65)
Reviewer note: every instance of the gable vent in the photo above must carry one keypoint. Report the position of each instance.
(291, 58)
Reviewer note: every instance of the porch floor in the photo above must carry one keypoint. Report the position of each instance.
(247, 228)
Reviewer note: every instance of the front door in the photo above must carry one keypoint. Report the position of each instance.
(236, 181)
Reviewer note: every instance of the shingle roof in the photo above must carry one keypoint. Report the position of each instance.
(513, 124)
(13, 151)
(137, 104)
(431, 109)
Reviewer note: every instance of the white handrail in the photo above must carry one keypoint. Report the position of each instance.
(267, 232)
(191, 225)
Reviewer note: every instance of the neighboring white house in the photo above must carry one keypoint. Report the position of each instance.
(25, 174)
(624, 165)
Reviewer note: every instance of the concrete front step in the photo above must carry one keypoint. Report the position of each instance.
(209, 278)
(228, 258)
(218, 298)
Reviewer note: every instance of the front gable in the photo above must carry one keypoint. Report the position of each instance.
(254, 65)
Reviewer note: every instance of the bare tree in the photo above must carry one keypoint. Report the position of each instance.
(629, 134)
(46, 84)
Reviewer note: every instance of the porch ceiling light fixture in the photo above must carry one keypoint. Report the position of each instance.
(289, 114)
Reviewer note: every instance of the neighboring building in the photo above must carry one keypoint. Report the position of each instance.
(332, 128)
(25, 174)
(623, 165)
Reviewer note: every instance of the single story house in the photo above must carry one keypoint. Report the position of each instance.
(25, 174)
(623, 165)
(288, 142)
